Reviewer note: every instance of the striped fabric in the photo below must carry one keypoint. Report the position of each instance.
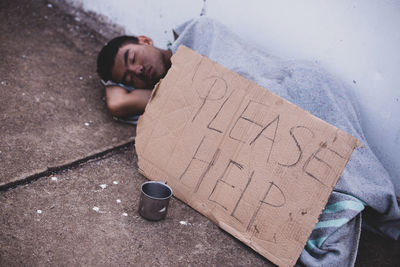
(341, 208)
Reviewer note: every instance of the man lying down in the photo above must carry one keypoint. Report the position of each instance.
(130, 67)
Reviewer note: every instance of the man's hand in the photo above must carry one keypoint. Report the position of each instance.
(124, 104)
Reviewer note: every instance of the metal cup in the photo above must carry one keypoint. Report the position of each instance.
(154, 199)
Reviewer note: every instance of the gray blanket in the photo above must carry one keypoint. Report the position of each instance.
(364, 186)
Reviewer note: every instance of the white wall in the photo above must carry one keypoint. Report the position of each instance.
(154, 18)
(358, 40)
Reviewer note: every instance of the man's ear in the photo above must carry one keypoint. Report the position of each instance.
(144, 40)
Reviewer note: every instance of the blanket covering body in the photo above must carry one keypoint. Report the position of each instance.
(364, 186)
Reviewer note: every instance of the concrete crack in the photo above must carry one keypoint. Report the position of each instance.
(204, 9)
(67, 166)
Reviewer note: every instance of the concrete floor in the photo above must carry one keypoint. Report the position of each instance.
(69, 183)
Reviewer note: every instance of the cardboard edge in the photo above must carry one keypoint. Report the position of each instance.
(154, 91)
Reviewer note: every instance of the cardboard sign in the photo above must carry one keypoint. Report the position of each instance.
(258, 166)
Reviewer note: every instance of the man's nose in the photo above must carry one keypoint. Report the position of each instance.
(136, 69)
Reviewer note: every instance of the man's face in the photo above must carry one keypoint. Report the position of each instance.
(140, 65)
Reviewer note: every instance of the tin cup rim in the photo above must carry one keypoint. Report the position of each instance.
(160, 183)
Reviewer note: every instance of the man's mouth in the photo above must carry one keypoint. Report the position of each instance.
(149, 73)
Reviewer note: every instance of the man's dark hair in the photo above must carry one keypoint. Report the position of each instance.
(106, 56)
